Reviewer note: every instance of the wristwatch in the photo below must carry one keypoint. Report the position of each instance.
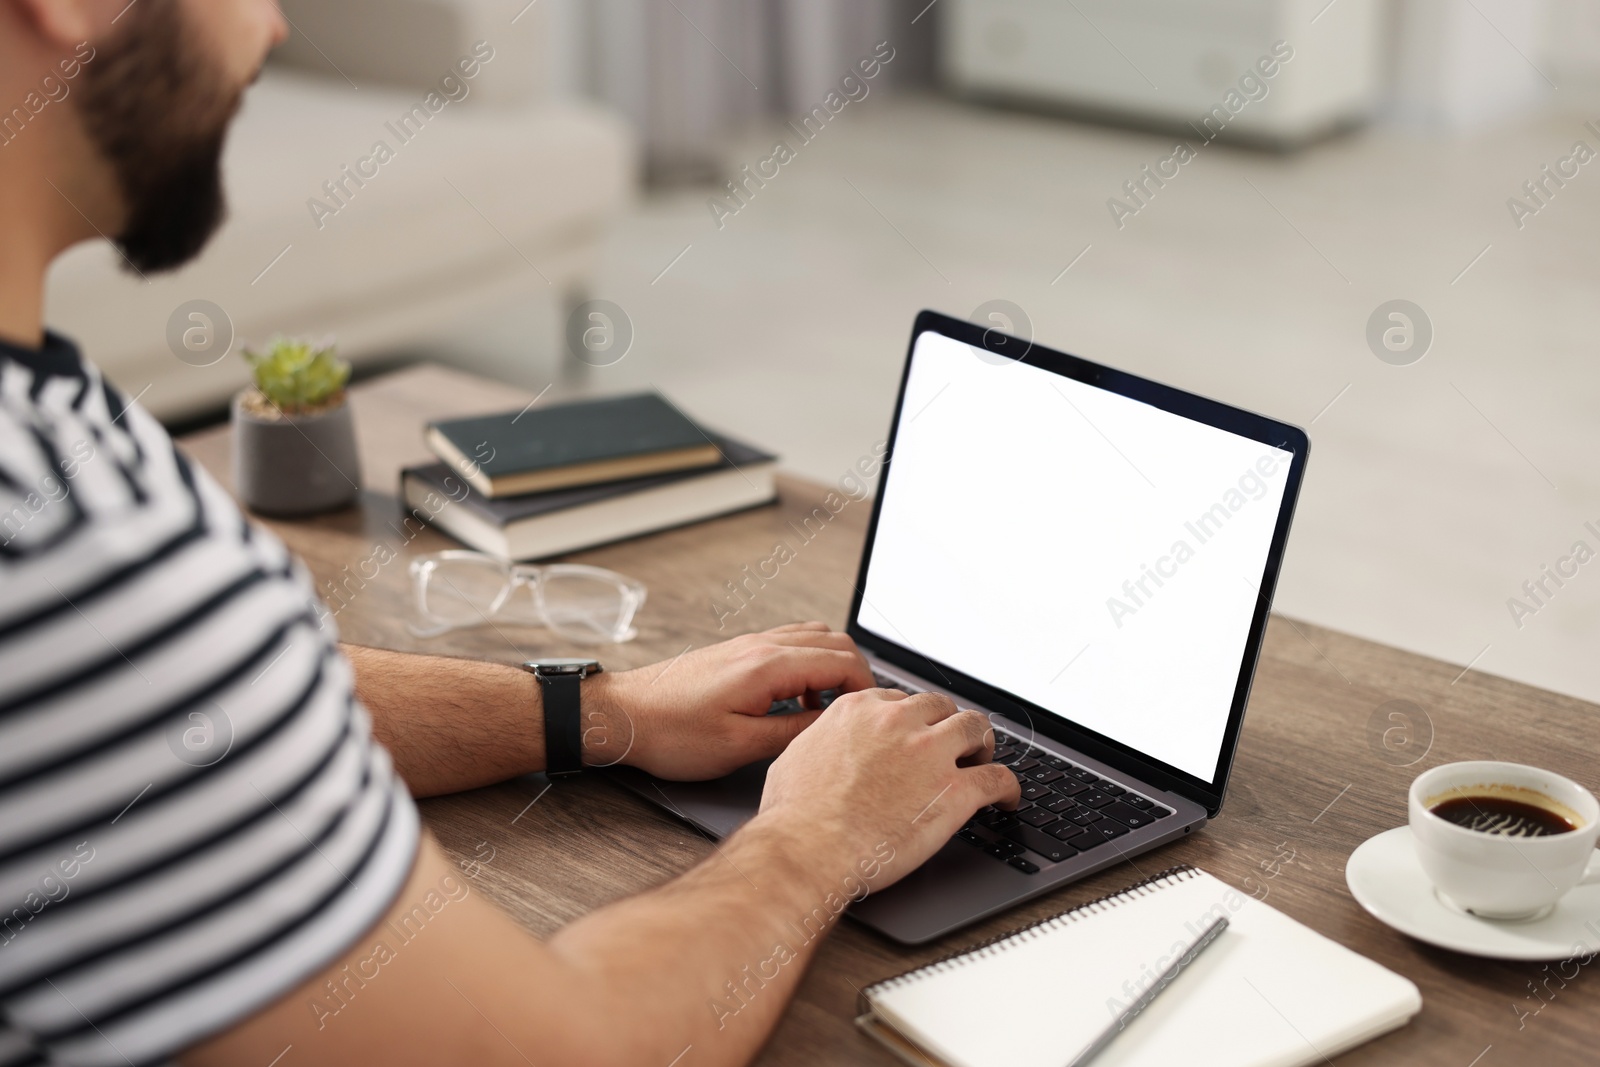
(563, 719)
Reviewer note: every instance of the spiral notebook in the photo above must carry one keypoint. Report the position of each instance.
(1269, 993)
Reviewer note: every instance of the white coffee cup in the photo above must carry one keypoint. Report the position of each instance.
(1499, 877)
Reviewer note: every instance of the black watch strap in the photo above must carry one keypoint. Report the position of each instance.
(559, 684)
(563, 723)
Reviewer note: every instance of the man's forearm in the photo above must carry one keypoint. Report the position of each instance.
(454, 724)
(712, 959)
(451, 724)
(709, 961)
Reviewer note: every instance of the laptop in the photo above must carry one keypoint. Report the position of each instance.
(1086, 556)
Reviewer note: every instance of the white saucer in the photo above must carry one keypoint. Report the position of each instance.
(1387, 880)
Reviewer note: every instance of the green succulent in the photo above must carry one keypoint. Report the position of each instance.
(297, 375)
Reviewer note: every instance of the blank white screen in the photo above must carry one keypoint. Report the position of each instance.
(1022, 508)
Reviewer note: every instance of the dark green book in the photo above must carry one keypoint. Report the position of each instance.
(585, 442)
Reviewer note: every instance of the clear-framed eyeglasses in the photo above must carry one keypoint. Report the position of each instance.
(457, 589)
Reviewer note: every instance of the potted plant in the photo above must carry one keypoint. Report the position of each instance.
(294, 444)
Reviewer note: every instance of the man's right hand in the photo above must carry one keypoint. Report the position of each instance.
(880, 766)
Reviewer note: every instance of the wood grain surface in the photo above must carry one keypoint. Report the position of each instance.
(1324, 761)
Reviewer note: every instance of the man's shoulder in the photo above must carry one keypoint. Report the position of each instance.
(72, 451)
(40, 454)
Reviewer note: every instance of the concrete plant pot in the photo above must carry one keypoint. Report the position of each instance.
(289, 465)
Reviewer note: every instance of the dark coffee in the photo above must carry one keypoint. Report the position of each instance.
(1502, 816)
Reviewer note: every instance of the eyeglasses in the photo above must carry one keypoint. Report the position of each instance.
(589, 605)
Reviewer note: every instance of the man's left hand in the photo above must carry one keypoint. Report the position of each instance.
(704, 714)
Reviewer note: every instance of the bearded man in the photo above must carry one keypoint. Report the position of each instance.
(153, 909)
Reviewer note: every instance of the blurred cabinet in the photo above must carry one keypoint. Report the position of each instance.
(1461, 67)
(1171, 62)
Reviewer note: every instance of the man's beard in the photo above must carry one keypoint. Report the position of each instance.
(159, 117)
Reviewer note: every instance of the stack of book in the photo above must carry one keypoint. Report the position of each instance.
(544, 481)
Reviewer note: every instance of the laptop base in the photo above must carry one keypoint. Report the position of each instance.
(960, 884)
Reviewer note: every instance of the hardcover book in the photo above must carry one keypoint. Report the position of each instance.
(585, 442)
(540, 525)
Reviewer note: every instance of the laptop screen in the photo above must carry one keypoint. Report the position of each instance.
(1089, 553)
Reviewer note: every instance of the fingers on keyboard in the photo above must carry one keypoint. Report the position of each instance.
(1066, 810)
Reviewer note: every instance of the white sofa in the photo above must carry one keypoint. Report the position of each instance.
(501, 195)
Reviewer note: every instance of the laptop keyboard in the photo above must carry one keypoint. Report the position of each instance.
(1065, 810)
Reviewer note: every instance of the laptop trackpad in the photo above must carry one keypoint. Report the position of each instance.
(719, 806)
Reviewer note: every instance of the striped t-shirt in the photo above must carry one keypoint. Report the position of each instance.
(194, 817)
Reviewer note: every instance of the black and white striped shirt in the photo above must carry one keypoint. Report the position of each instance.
(194, 817)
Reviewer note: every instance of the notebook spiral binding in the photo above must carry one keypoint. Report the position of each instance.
(1001, 942)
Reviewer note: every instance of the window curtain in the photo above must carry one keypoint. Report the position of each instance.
(689, 73)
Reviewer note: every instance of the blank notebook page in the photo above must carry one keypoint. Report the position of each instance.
(1268, 993)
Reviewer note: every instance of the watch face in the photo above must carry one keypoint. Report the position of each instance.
(562, 666)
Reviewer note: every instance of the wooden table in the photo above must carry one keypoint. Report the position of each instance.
(1323, 762)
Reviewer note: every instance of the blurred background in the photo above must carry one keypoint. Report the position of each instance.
(1227, 195)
